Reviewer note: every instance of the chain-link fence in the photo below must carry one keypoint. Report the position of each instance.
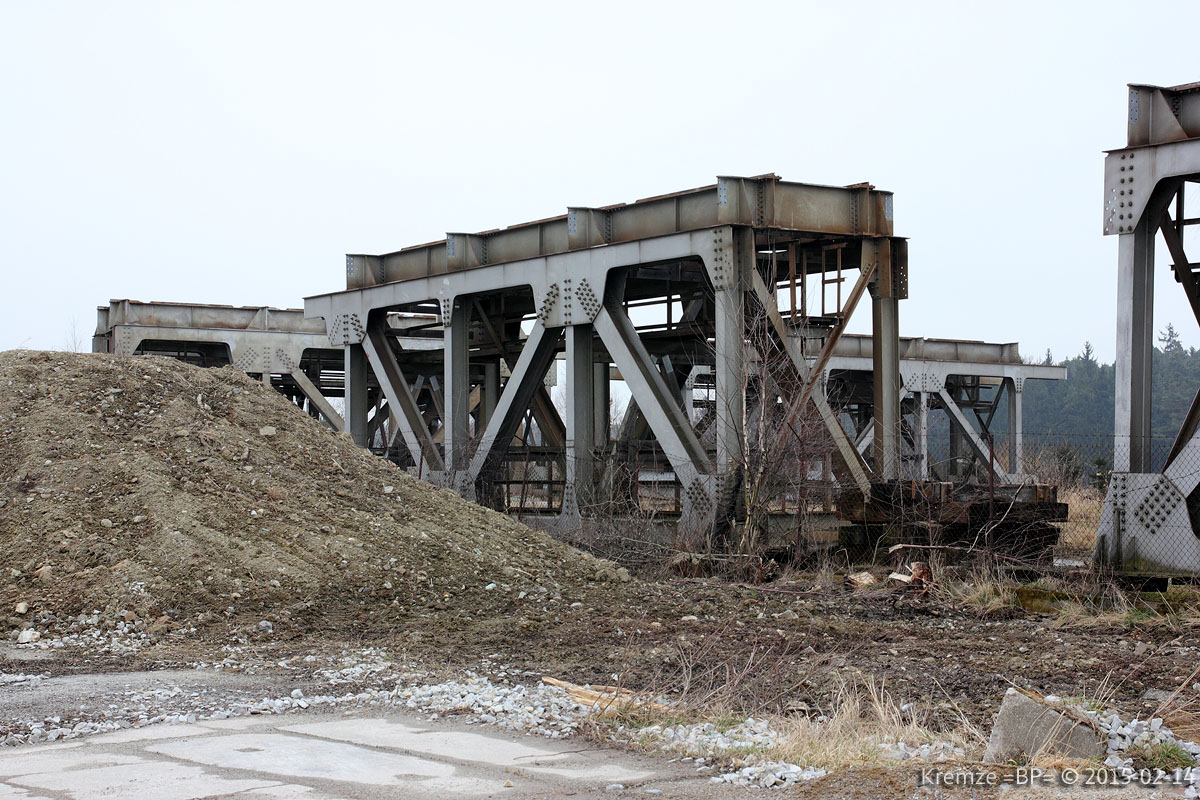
(1042, 506)
(1055, 502)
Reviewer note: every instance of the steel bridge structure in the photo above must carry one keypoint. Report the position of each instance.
(712, 305)
(714, 259)
(1151, 516)
(278, 346)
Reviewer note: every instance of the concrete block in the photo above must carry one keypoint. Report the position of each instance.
(1027, 727)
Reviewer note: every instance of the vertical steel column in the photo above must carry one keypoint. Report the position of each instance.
(729, 342)
(1016, 444)
(885, 361)
(922, 436)
(603, 398)
(457, 390)
(356, 394)
(956, 441)
(581, 417)
(1135, 345)
(491, 392)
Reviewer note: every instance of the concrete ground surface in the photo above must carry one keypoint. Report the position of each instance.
(330, 752)
(321, 756)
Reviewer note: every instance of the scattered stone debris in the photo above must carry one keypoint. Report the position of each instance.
(374, 682)
(1029, 725)
(542, 710)
(705, 740)
(1127, 738)
(930, 751)
(770, 775)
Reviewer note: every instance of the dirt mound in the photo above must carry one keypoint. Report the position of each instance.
(154, 490)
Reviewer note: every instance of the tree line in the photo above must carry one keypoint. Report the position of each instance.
(1083, 404)
(1076, 416)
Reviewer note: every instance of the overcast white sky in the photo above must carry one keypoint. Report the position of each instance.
(232, 152)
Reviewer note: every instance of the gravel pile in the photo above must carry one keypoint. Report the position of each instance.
(1125, 739)
(140, 710)
(144, 498)
(705, 740)
(770, 775)
(1128, 737)
(931, 751)
(540, 709)
(363, 679)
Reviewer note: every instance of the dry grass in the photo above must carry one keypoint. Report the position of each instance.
(1181, 711)
(1106, 604)
(844, 726)
(860, 720)
(982, 589)
(861, 717)
(1083, 519)
(1082, 602)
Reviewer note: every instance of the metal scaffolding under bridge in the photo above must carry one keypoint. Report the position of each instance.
(712, 264)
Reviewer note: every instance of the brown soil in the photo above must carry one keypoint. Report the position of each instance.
(186, 496)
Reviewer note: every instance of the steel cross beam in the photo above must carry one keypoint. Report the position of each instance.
(668, 421)
(866, 438)
(328, 413)
(544, 412)
(836, 432)
(395, 388)
(964, 427)
(527, 374)
(763, 202)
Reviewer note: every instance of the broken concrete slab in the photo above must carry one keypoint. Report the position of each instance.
(163, 781)
(1027, 727)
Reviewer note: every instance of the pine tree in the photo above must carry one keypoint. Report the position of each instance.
(1170, 340)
